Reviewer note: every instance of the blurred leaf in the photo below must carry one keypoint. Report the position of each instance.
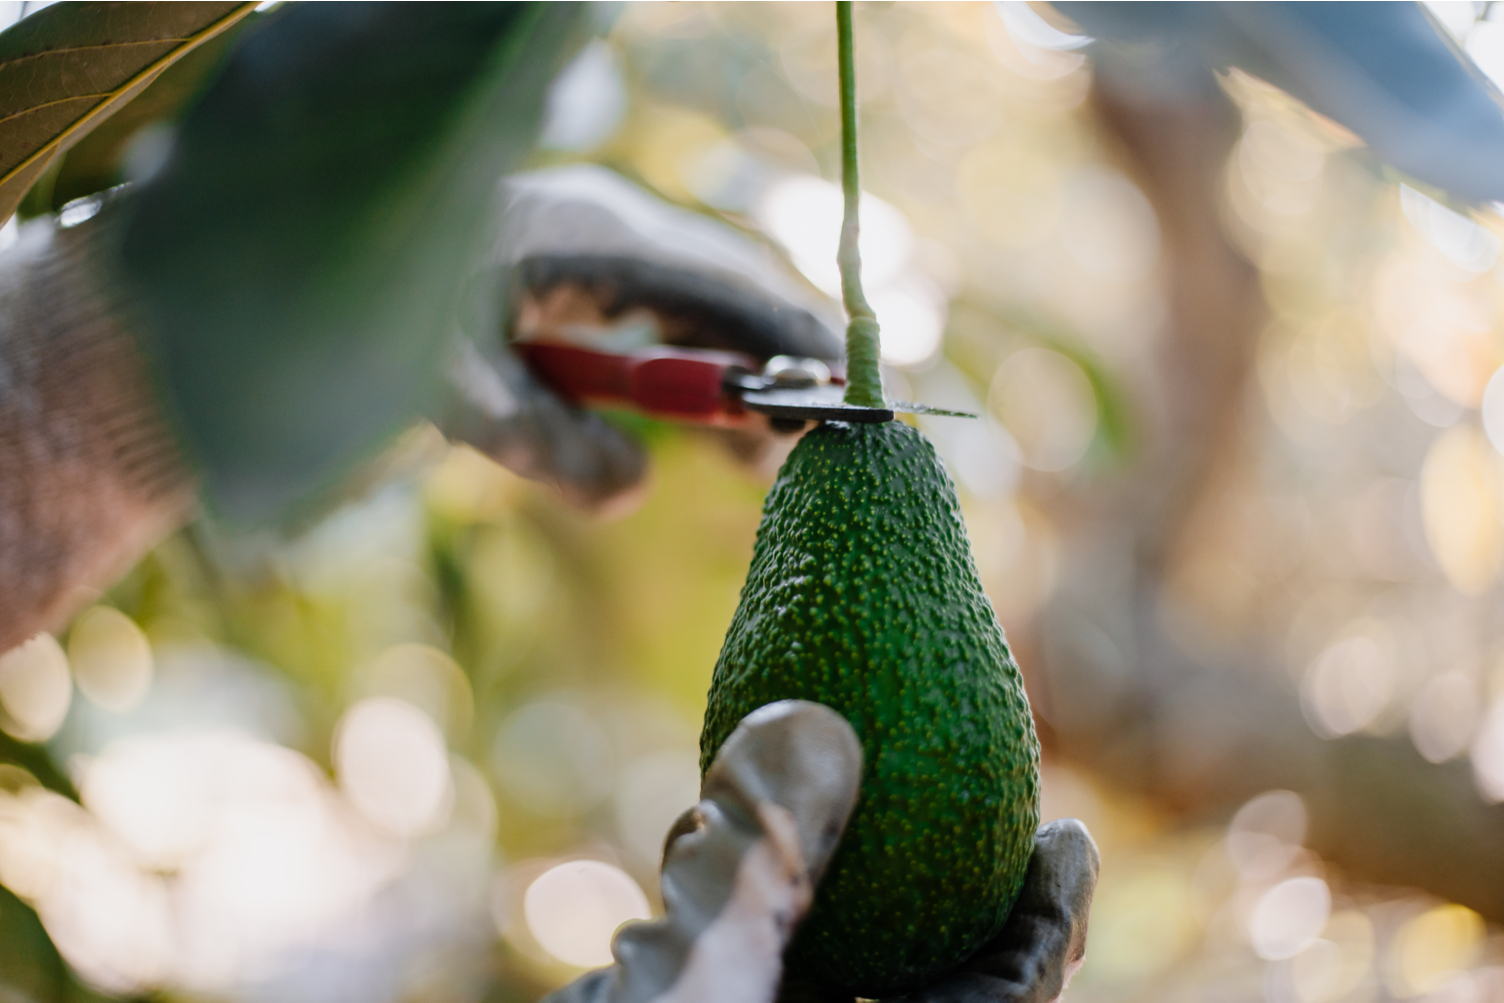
(30, 967)
(1115, 432)
(35, 760)
(1384, 70)
(67, 67)
(300, 257)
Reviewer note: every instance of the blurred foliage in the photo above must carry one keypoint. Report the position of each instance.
(359, 215)
(232, 842)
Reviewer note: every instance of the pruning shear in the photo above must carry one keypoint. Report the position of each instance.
(704, 386)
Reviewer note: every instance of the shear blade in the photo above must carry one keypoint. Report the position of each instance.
(824, 403)
(813, 404)
(909, 408)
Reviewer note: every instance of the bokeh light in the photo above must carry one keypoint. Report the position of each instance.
(942, 94)
(1289, 917)
(574, 909)
(109, 919)
(1492, 410)
(198, 858)
(33, 822)
(1432, 948)
(586, 102)
(1460, 240)
(1108, 228)
(35, 689)
(111, 659)
(426, 678)
(1443, 715)
(1047, 405)
(804, 215)
(1265, 835)
(1351, 683)
(1147, 919)
(1338, 962)
(1487, 753)
(1461, 501)
(393, 765)
(553, 759)
(912, 315)
(1281, 166)
(655, 790)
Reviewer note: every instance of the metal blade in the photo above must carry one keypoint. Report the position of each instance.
(908, 408)
(819, 403)
(824, 403)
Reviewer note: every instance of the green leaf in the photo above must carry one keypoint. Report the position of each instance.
(299, 260)
(69, 66)
(97, 161)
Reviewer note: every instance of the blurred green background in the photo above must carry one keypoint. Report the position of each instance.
(1237, 497)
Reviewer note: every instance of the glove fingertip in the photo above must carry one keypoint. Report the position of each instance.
(801, 756)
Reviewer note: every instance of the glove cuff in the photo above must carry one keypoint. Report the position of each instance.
(93, 474)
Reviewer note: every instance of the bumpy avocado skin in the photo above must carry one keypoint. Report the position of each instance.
(863, 595)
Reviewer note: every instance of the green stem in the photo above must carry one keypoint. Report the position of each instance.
(864, 383)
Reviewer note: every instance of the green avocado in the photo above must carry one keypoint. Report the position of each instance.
(863, 596)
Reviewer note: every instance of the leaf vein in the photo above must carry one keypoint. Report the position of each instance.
(112, 96)
(102, 47)
(48, 104)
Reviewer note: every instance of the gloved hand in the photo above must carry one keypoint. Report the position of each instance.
(587, 257)
(739, 872)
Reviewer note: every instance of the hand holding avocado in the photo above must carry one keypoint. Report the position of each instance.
(740, 868)
(1044, 941)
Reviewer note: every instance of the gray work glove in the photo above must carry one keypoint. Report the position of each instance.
(740, 868)
(587, 257)
(1044, 941)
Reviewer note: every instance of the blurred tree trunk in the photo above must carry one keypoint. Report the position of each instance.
(1117, 695)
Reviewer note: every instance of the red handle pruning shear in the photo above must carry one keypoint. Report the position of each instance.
(702, 386)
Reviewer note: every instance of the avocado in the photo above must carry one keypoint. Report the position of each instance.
(863, 596)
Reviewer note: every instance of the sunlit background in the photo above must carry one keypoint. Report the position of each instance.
(428, 749)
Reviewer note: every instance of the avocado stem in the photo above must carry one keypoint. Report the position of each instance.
(864, 382)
